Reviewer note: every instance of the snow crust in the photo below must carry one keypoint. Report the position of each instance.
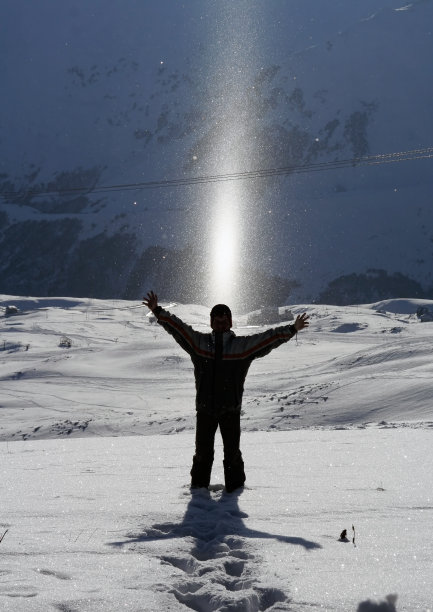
(96, 512)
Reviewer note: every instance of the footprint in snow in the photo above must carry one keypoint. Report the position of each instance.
(220, 570)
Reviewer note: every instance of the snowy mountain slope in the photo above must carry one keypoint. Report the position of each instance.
(169, 92)
(336, 432)
(123, 375)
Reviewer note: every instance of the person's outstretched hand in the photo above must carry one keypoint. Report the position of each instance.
(151, 301)
(301, 321)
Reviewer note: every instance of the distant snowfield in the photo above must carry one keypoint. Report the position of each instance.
(124, 375)
(95, 507)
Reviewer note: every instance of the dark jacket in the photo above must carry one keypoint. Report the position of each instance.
(221, 360)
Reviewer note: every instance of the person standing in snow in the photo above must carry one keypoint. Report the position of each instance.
(221, 361)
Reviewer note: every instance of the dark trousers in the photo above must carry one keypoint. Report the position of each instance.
(230, 428)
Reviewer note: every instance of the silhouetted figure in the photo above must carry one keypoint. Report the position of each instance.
(221, 361)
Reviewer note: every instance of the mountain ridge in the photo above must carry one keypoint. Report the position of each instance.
(304, 233)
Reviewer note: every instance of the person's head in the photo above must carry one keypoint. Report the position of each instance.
(220, 318)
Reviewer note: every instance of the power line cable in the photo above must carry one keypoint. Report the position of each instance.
(369, 160)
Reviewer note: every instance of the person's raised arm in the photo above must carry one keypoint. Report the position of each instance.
(259, 345)
(184, 334)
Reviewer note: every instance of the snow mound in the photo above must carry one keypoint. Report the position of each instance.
(384, 606)
(401, 305)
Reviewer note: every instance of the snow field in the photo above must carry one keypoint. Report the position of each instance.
(110, 523)
(96, 513)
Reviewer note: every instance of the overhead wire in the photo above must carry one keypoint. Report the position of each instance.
(369, 160)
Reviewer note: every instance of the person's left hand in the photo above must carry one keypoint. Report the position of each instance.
(301, 321)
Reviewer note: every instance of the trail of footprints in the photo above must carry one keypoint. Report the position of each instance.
(218, 572)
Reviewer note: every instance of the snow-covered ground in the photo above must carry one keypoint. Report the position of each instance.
(95, 507)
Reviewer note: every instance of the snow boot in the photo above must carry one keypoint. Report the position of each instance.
(234, 474)
(201, 471)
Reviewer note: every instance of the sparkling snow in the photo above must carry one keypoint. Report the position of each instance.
(96, 513)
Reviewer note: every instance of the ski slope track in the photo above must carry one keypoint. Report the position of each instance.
(96, 441)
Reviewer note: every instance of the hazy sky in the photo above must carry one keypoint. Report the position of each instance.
(43, 32)
(50, 51)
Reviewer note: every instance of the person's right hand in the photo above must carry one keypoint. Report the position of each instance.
(151, 301)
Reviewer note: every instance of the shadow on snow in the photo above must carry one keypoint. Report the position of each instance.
(211, 516)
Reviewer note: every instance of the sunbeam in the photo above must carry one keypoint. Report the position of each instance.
(229, 220)
(226, 240)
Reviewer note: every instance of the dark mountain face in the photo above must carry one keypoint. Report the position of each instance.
(217, 151)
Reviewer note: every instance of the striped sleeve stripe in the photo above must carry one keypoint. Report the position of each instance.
(186, 336)
(259, 346)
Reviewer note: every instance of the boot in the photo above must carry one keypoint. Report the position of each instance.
(234, 474)
(201, 471)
